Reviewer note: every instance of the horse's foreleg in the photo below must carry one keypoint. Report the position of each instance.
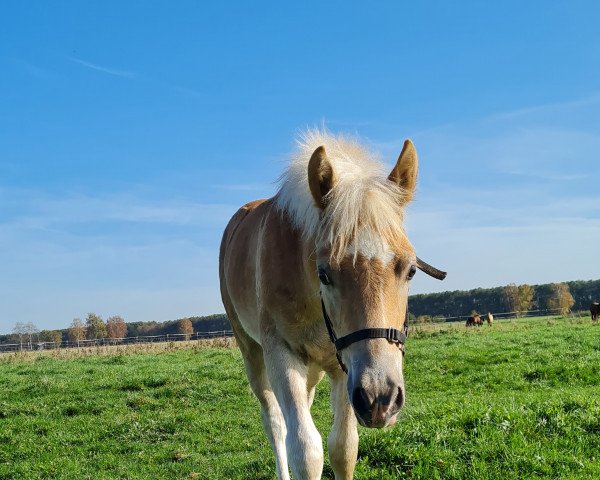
(288, 377)
(342, 441)
(313, 377)
(274, 426)
(271, 415)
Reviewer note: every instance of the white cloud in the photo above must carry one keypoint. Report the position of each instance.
(43, 211)
(103, 69)
(124, 253)
(551, 108)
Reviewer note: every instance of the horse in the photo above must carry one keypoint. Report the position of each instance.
(595, 311)
(474, 320)
(490, 319)
(315, 281)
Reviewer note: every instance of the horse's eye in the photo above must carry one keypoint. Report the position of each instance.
(323, 277)
(411, 272)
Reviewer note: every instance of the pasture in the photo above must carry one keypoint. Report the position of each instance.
(517, 400)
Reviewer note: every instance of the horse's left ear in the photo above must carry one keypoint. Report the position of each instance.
(404, 173)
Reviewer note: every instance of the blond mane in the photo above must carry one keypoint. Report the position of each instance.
(362, 199)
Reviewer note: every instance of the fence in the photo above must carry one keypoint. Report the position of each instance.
(169, 337)
(179, 337)
(506, 315)
(529, 313)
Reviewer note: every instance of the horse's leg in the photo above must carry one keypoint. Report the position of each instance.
(288, 376)
(342, 441)
(313, 377)
(271, 415)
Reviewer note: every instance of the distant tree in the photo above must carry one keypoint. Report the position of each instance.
(143, 328)
(95, 326)
(511, 297)
(116, 327)
(423, 319)
(526, 293)
(185, 326)
(52, 336)
(19, 332)
(560, 298)
(31, 331)
(518, 298)
(76, 331)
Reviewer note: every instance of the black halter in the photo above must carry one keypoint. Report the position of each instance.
(392, 335)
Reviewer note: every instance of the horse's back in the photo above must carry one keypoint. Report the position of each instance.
(234, 223)
(237, 265)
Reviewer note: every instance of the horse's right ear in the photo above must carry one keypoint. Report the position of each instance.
(320, 176)
(404, 173)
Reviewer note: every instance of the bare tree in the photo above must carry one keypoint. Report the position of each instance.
(560, 299)
(76, 331)
(95, 326)
(31, 330)
(20, 331)
(185, 326)
(116, 327)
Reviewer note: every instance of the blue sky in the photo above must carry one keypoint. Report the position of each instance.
(130, 132)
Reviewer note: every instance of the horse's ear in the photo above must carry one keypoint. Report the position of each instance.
(320, 176)
(404, 173)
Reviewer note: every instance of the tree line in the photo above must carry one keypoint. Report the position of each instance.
(563, 297)
(560, 297)
(93, 328)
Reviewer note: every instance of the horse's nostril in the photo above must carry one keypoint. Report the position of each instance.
(399, 398)
(360, 401)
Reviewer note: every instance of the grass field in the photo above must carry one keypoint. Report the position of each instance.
(518, 400)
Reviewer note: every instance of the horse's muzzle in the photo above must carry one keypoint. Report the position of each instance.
(377, 411)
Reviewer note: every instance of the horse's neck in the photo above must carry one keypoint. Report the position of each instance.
(297, 257)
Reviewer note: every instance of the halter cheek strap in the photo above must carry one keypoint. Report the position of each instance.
(392, 335)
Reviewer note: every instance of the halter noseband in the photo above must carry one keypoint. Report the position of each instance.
(392, 335)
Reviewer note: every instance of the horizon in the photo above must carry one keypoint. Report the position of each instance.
(82, 317)
(130, 135)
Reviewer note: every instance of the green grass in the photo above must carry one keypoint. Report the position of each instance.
(516, 401)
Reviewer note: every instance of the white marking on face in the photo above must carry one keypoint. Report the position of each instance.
(371, 246)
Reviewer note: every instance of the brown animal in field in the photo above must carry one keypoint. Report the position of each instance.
(326, 255)
(595, 311)
(490, 319)
(474, 320)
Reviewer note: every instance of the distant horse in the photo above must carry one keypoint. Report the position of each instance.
(474, 320)
(490, 319)
(315, 280)
(595, 311)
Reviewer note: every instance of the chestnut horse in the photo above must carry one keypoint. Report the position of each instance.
(474, 320)
(327, 252)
